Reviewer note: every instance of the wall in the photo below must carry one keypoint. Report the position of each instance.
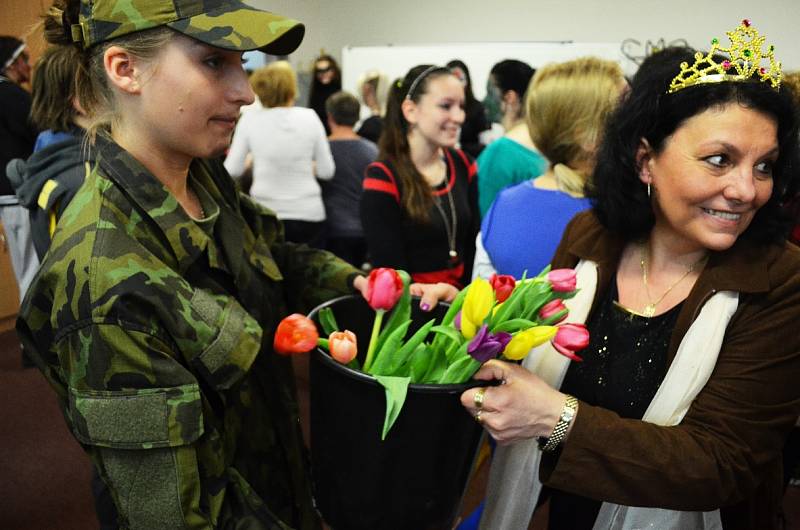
(333, 24)
(339, 23)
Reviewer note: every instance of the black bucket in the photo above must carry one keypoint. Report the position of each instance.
(416, 478)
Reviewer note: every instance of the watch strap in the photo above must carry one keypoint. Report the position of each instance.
(562, 426)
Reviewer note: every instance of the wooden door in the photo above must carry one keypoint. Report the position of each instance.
(9, 292)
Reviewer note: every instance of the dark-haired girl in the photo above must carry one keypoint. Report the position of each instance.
(419, 207)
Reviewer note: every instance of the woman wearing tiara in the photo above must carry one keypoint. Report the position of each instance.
(678, 413)
(419, 207)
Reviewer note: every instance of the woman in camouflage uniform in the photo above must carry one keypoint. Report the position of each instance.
(153, 313)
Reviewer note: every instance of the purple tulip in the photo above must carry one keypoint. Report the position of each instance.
(457, 321)
(485, 345)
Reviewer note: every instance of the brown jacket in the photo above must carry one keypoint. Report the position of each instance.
(726, 453)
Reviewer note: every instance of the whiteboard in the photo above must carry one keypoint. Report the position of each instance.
(479, 57)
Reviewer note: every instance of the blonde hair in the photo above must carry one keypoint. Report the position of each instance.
(380, 83)
(275, 84)
(567, 106)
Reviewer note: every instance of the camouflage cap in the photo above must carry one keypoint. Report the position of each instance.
(228, 24)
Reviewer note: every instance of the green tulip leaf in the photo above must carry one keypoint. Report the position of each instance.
(328, 321)
(449, 317)
(511, 305)
(400, 358)
(436, 368)
(513, 325)
(554, 319)
(456, 351)
(460, 371)
(396, 390)
(383, 357)
(450, 332)
(400, 313)
(455, 307)
(420, 362)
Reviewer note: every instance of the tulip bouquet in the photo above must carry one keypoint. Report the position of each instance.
(501, 318)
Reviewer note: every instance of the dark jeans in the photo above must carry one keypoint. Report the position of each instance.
(308, 232)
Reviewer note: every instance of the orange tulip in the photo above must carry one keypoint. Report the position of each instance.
(343, 346)
(295, 334)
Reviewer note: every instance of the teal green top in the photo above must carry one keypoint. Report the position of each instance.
(505, 163)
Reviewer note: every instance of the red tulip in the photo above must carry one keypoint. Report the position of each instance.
(342, 345)
(562, 280)
(552, 309)
(384, 287)
(571, 338)
(503, 285)
(295, 334)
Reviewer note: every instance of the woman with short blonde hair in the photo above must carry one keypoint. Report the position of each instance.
(289, 152)
(275, 84)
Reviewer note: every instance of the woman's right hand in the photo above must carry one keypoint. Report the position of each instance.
(523, 406)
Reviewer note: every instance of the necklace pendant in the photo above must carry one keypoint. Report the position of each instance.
(453, 262)
(649, 310)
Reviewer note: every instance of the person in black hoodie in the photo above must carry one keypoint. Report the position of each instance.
(47, 181)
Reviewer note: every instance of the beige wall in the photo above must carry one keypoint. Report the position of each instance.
(333, 24)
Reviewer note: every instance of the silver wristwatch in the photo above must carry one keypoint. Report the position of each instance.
(560, 430)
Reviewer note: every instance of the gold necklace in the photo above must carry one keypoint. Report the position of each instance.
(650, 309)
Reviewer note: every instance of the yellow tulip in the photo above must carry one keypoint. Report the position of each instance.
(477, 304)
(468, 329)
(524, 341)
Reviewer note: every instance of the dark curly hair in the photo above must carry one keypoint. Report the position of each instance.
(648, 112)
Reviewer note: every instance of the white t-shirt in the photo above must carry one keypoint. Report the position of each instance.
(290, 152)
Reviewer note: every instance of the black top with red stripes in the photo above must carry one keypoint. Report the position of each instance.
(394, 240)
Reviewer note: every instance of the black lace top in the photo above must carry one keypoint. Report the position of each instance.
(621, 371)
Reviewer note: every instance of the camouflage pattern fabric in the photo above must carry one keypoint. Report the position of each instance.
(156, 332)
(228, 24)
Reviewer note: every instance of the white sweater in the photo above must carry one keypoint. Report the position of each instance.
(286, 143)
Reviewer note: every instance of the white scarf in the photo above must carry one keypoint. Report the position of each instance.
(514, 485)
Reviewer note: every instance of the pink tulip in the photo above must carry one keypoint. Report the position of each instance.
(552, 309)
(343, 346)
(384, 287)
(503, 285)
(562, 280)
(571, 338)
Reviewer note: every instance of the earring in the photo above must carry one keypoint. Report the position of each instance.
(648, 190)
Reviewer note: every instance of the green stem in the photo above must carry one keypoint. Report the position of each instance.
(373, 340)
(324, 343)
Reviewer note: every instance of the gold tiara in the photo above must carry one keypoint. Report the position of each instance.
(745, 57)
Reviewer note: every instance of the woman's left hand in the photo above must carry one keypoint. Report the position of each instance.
(360, 284)
(523, 406)
(432, 293)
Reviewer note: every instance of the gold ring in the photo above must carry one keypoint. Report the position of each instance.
(478, 416)
(478, 398)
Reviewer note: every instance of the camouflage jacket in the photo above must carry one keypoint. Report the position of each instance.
(156, 332)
